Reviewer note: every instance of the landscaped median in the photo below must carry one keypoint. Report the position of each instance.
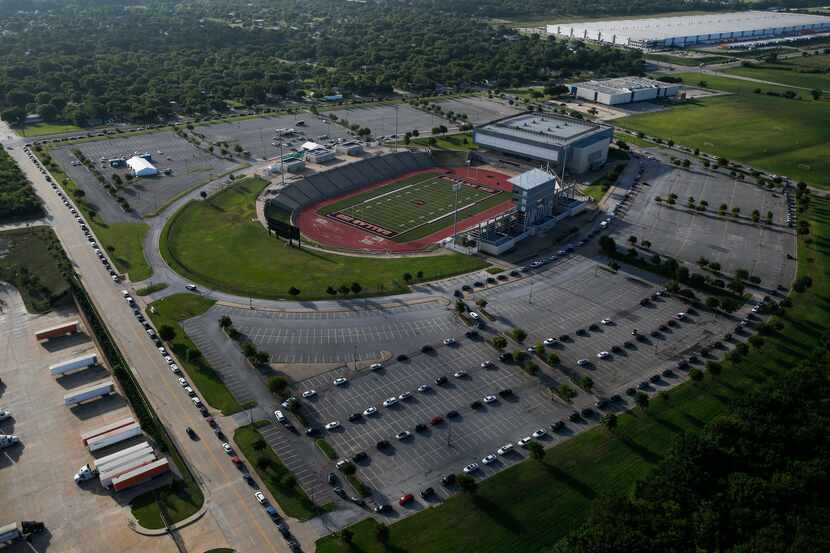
(219, 243)
(277, 478)
(531, 506)
(170, 311)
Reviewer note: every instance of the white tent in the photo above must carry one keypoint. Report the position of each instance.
(140, 167)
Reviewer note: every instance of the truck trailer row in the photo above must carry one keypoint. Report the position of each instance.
(73, 365)
(93, 391)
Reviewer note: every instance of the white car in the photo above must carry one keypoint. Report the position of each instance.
(376, 366)
(340, 381)
(404, 396)
(183, 382)
(449, 341)
(549, 341)
(390, 402)
(309, 393)
(459, 374)
(603, 355)
(756, 308)
(191, 287)
(583, 362)
(342, 463)
(196, 401)
(403, 435)
(489, 459)
(505, 449)
(424, 388)
(5, 414)
(227, 447)
(280, 417)
(189, 391)
(486, 364)
(489, 399)
(680, 316)
(168, 359)
(606, 321)
(472, 467)
(524, 441)
(333, 425)
(370, 411)
(125, 294)
(175, 369)
(539, 433)
(260, 497)
(474, 316)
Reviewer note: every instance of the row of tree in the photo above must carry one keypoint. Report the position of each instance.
(17, 198)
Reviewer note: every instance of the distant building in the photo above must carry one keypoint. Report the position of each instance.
(319, 155)
(534, 192)
(140, 167)
(290, 166)
(684, 30)
(349, 148)
(624, 90)
(580, 145)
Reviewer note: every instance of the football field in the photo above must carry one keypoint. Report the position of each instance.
(414, 207)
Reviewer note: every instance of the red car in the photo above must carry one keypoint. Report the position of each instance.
(237, 461)
(436, 421)
(405, 499)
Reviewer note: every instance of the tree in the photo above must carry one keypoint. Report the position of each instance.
(537, 452)
(610, 422)
(518, 334)
(586, 383)
(407, 277)
(344, 289)
(356, 288)
(203, 194)
(695, 374)
(641, 399)
(712, 302)
(499, 342)
(607, 244)
(382, 534)
(346, 536)
(331, 291)
(262, 357)
(713, 367)
(467, 484)
(259, 444)
(225, 322)
(277, 385)
(632, 239)
(816, 94)
(553, 359)
(167, 333)
(294, 291)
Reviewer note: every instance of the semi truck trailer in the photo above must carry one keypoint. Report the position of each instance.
(141, 474)
(126, 460)
(65, 329)
(87, 393)
(17, 531)
(120, 423)
(102, 462)
(73, 365)
(112, 473)
(114, 436)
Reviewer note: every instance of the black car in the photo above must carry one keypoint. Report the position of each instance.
(507, 392)
(472, 334)
(311, 432)
(502, 277)
(491, 280)
(359, 456)
(587, 413)
(574, 417)
(645, 301)
(514, 273)
(458, 294)
(452, 414)
(505, 356)
(355, 417)
(402, 357)
(616, 398)
(383, 444)
(557, 426)
(191, 433)
(601, 403)
(448, 480)
(478, 284)
(420, 427)
(655, 378)
(426, 492)
(594, 327)
(475, 405)
(616, 349)
(466, 288)
(249, 479)
(426, 348)
(440, 380)
(564, 338)
(286, 533)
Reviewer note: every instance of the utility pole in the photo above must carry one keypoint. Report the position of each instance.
(457, 187)
(396, 126)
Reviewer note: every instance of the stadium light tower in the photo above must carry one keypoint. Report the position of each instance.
(396, 127)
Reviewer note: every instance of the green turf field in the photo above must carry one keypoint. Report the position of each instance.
(788, 137)
(219, 244)
(688, 60)
(414, 207)
(784, 74)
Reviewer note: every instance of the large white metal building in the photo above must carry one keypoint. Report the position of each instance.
(680, 31)
(580, 145)
(623, 90)
(140, 167)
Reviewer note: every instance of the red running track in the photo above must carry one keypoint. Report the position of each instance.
(328, 232)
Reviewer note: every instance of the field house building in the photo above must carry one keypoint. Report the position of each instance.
(580, 145)
(692, 30)
(140, 167)
(624, 90)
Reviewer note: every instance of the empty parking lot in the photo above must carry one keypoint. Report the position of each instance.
(479, 109)
(381, 119)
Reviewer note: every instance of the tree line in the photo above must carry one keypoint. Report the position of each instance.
(17, 198)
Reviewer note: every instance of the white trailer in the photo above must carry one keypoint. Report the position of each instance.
(105, 467)
(73, 365)
(106, 478)
(120, 423)
(120, 453)
(86, 393)
(114, 436)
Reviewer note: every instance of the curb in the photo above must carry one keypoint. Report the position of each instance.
(440, 300)
(139, 529)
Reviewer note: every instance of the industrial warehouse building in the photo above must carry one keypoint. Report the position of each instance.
(624, 90)
(681, 31)
(580, 145)
(140, 167)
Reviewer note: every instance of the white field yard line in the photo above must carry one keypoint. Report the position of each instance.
(395, 191)
(444, 216)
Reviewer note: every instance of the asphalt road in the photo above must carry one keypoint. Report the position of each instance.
(233, 518)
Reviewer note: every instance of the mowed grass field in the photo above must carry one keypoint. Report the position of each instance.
(785, 74)
(531, 506)
(417, 206)
(789, 137)
(220, 244)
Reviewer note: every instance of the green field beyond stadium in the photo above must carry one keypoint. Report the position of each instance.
(414, 207)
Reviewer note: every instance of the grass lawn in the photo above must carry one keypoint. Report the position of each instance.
(784, 75)
(595, 191)
(326, 448)
(147, 290)
(812, 62)
(33, 249)
(124, 241)
(180, 501)
(278, 479)
(40, 129)
(530, 506)
(216, 243)
(688, 61)
(772, 133)
(453, 142)
(171, 310)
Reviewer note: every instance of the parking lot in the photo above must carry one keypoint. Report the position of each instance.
(735, 243)
(257, 135)
(381, 119)
(37, 476)
(479, 109)
(190, 167)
